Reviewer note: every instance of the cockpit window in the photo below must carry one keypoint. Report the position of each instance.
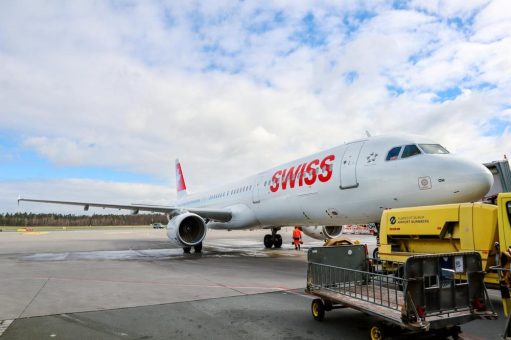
(393, 153)
(433, 148)
(410, 150)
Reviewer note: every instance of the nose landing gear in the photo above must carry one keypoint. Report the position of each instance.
(273, 240)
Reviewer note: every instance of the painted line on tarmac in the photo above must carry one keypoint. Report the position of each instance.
(34, 233)
(305, 295)
(4, 324)
(156, 283)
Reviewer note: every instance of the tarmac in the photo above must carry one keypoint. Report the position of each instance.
(129, 284)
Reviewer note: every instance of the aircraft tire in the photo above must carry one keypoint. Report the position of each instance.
(198, 248)
(187, 250)
(268, 242)
(278, 241)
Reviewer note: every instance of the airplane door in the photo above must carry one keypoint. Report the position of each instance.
(349, 165)
(257, 189)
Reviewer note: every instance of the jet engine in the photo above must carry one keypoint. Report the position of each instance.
(186, 230)
(322, 232)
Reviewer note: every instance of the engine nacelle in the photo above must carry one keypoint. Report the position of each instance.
(322, 232)
(186, 230)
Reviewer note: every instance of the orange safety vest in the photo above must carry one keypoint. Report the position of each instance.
(297, 233)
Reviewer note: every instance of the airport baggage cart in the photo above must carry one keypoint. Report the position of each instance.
(437, 293)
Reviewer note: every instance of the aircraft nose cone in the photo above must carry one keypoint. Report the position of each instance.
(479, 182)
(486, 180)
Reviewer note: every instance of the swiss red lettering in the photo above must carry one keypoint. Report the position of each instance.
(299, 173)
(275, 181)
(288, 177)
(327, 168)
(305, 173)
(310, 171)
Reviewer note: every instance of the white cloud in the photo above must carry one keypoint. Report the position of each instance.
(234, 87)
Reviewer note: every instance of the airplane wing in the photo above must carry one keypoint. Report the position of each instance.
(221, 215)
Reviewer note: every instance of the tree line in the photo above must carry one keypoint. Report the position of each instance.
(59, 220)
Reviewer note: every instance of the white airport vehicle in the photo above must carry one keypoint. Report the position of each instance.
(348, 184)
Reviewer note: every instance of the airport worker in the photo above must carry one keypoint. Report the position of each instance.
(297, 237)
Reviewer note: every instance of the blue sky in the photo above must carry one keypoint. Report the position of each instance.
(21, 163)
(100, 97)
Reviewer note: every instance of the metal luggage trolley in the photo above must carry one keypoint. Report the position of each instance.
(436, 293)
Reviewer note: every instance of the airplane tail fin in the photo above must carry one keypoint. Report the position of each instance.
(180, 181)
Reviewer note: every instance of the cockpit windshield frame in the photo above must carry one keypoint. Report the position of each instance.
(410, 150)
(392, 156)
(394, 153)
(433, 149)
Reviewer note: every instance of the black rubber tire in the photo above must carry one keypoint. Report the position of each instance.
(455, 332)
(375, 253)
(328, 305)
(268, 242)
(187, 250)
(318, 309)
(278, 241)
(377, 331)
(198, 248)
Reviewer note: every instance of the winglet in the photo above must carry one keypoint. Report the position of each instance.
(19, 199)
(180, 181)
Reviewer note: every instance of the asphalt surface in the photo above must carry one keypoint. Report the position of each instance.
(131, 285)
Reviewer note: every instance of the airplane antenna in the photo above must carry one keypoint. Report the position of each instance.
(368, 134)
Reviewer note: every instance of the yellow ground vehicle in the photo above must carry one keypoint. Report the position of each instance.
(449, 228)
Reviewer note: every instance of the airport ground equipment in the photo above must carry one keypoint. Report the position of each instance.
(507, 329)
(480, 227)
(437, 293)
(501, 179)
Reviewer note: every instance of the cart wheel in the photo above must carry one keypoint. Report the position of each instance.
(376, 253)
(328, 305)
(455, 332)
(318, 310)
(377, 331)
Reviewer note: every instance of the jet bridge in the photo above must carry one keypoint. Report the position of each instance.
(501, 179)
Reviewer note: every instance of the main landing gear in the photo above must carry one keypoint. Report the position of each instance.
(197, 249)
(273, 240)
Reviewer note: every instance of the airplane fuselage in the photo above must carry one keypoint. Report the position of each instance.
(351, 183)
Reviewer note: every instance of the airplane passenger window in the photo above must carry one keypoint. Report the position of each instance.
(433, 148)
(410, 150)
(393, 153)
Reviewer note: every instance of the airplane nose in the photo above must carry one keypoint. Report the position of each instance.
(484, 179)
(478, 180)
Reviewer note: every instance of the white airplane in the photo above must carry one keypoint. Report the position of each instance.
(348, 184)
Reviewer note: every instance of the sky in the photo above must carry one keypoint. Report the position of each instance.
(98, 98)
